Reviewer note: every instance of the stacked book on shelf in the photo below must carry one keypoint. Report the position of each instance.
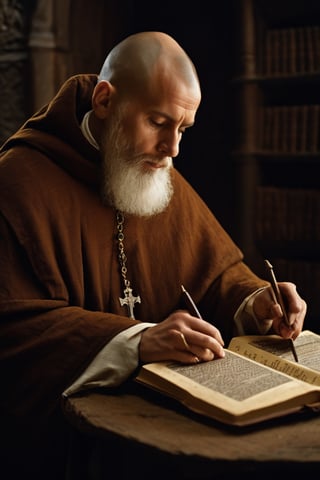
(287, 215)
(291, 51)
(290, 129)
(277, 140)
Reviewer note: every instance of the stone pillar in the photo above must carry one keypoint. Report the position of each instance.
(42, 54)
(13, 67)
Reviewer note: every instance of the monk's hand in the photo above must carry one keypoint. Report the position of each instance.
(269, 312)
(183, 338)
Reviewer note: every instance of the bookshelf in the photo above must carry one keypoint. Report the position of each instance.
(276, 132)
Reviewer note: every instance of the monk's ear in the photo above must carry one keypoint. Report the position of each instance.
(101, 97)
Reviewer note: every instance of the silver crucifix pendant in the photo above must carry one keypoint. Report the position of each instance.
(129, 300)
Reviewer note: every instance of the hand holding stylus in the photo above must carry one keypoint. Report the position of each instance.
(279, 300)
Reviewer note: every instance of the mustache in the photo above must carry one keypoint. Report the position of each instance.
(165, 161)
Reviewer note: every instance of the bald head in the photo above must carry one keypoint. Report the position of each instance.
(148, 58)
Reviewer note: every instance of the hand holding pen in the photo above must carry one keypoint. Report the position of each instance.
(191, 307)
(193, 310)
(279, 300)
(182, 336)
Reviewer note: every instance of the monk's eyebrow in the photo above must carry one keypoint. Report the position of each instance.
(170, 119)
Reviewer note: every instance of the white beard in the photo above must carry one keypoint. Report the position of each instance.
(125, 185)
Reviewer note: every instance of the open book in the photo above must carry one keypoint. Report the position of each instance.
(258, 379)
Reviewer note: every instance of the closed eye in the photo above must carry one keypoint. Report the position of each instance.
(157, 123)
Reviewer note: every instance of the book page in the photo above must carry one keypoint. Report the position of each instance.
(307, 347)
(232, 376)
(276, 352)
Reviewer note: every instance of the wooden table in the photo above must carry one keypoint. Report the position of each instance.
(136, 433)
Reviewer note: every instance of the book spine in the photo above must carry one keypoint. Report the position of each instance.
(291, 51)
(287, 214)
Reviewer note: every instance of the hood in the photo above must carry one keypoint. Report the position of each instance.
(55, 130)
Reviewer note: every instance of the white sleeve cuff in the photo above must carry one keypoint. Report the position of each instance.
(246, 322)
(113, 364)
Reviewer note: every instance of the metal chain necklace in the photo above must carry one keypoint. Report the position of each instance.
(129, 300)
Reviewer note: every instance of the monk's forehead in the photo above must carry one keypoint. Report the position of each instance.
(175, 78)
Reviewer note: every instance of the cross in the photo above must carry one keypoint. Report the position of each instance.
(129, 300)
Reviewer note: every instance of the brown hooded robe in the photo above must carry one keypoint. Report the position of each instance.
(59, 273)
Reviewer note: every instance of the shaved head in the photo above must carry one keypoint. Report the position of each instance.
(146, 58)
